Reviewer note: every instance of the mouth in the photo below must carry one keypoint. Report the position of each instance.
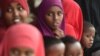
(90, 44)
(56, 24)
(16, 20)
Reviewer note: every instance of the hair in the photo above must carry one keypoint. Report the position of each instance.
(49, 41)
(69, 39)
(86, 25)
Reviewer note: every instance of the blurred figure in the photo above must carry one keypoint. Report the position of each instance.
(73, 19)
(53, 46)
(73, 47)
(23, 40)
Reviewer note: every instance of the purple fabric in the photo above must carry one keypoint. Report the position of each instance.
(42, 9)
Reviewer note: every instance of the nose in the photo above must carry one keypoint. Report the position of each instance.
(91, 39)
(22, 54)
(55, 17)
(15, 13)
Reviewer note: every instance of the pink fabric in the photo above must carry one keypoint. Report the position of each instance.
(23, 35)
(5, 3)
(73, 19)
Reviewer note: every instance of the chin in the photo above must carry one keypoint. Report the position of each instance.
(88, 46)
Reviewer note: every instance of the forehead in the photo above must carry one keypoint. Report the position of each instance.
(75, 47)
(21, 49)
(89, 29)
(55, 8)
(57, 47)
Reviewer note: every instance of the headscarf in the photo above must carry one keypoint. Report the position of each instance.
(73, 19)
(5, 3)
(23, 35)
(42, 9)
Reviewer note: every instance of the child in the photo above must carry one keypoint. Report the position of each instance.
(50, 18)
(54, 46)
(73, 47)
(23, 40)
(88, 35)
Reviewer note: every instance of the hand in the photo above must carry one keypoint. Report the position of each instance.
(58, 33)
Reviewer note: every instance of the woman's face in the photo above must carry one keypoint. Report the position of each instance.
(54, 17)
(15, 13)
(21, 52)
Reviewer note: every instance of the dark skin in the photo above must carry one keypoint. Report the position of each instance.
(88, 37)
(55, 50)
(53, 19)
(21, 52)
(74, 49)
(15, 13)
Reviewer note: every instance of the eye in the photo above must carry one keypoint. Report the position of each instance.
(50, 14)
(29, 53)
(19, 8)
(60, 13)
(9, 9)
(88, 36)
(15, 52)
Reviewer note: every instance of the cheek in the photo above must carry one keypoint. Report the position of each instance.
(8, 16)
(24, 14)
(61, 18)
(48, 20)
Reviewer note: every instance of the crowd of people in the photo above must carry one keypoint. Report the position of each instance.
(48, 28)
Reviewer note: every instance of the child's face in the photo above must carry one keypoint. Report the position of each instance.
(15, 13)
(56, 50)
(54, 17)
(74, 49)
(21, 52)
(88, 37)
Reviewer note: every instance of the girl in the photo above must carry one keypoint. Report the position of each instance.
(23, 40)
(50, 18)
(12, 12)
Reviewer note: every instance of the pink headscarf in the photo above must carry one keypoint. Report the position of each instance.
(5, 4)
(23, 35)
